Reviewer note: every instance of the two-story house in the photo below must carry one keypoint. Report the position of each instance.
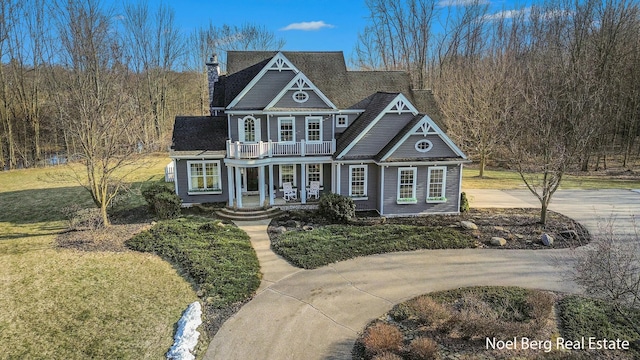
(299, 118)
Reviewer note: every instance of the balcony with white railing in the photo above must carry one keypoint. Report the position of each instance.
(259, 150)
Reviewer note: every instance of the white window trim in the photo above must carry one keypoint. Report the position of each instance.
(308, 120)
(442, 198)
(256, 128)
(295, 177)
(191, 190)
(346, 120)
(413, 199)
(293, 129)
(423, 141)
(308, 182)
(300, 101)
(366, 180)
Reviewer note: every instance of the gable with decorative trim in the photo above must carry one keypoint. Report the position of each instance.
(424, 140)
(276, 74)
(300, 92)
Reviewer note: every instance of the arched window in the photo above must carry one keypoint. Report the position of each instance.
(249, 129)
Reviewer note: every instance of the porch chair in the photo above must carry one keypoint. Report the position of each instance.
(289, 192)
(314, 189)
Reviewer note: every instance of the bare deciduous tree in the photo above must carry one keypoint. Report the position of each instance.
(609, 269)
(92, 99)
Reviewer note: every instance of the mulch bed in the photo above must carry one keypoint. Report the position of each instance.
(519, 227)
(101, 239)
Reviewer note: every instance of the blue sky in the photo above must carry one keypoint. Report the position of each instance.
(311, 25)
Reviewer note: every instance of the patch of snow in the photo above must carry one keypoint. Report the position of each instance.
(186, 337)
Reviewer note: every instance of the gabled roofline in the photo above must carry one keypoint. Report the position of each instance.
(277, 57)
(438, 131)
(289, 86)
(387, 109)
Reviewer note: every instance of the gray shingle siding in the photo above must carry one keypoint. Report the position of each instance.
(265, 90)
(381, 133)
(372, 186)
(183, 184)
(408, 150)
(314, 101)
(421, 207)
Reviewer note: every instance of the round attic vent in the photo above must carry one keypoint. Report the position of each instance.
(300, 96)
(423, 145)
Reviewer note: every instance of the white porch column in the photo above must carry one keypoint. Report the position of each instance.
(261, 188)
(238, 186)
(303, 183)
(230, 185)
(337, 189)
(272, 194)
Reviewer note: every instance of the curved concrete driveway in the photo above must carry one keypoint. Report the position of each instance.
(317, 314)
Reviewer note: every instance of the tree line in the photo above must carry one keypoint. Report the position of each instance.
(545, 89)
(66, 63)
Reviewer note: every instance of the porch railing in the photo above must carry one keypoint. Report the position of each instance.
(238, 150)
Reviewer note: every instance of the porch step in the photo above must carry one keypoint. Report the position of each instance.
(247, 214)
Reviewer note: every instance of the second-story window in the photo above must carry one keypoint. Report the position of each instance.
(287, 129)
(314, 129)
(249, 129)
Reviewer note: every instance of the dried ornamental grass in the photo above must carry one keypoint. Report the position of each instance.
(381, 338)
(423, 348)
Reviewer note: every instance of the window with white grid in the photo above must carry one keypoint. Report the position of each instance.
(314, 173)
(436, 184)
(314, 129)
(407, 185)
(204, 176)
(288, 174)
(358, 181)
(286, 129)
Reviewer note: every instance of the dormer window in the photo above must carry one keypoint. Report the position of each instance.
(300, 96)
(342, 121)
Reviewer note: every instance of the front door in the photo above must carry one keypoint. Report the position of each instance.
(252, 179)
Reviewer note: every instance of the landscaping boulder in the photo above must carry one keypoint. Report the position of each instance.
(280, 230)
(546, 239)
(498, 241)
(307, 227)
(468, 225)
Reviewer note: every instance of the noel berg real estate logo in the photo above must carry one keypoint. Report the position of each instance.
(584, 343)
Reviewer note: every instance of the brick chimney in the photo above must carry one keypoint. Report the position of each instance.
(213, 73)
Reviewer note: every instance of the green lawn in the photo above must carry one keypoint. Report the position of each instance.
(66, 304)
(506, 179)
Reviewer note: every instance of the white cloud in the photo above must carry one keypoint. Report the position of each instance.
(448, 3)
(507, 14)
(307, 26)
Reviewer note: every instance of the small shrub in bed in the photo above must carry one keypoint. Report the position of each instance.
(162, 200)
(218, 258)
(381, 338)
(423, 348)
(464, 203)
(429, 311)
(387, 356)
(335, 207)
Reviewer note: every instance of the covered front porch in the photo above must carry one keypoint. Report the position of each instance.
(252, 184)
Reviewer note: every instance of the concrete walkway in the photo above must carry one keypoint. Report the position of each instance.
(317, 314)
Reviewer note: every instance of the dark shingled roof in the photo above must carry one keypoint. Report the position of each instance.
(204, 133)
(328, 71)
(374, 105)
